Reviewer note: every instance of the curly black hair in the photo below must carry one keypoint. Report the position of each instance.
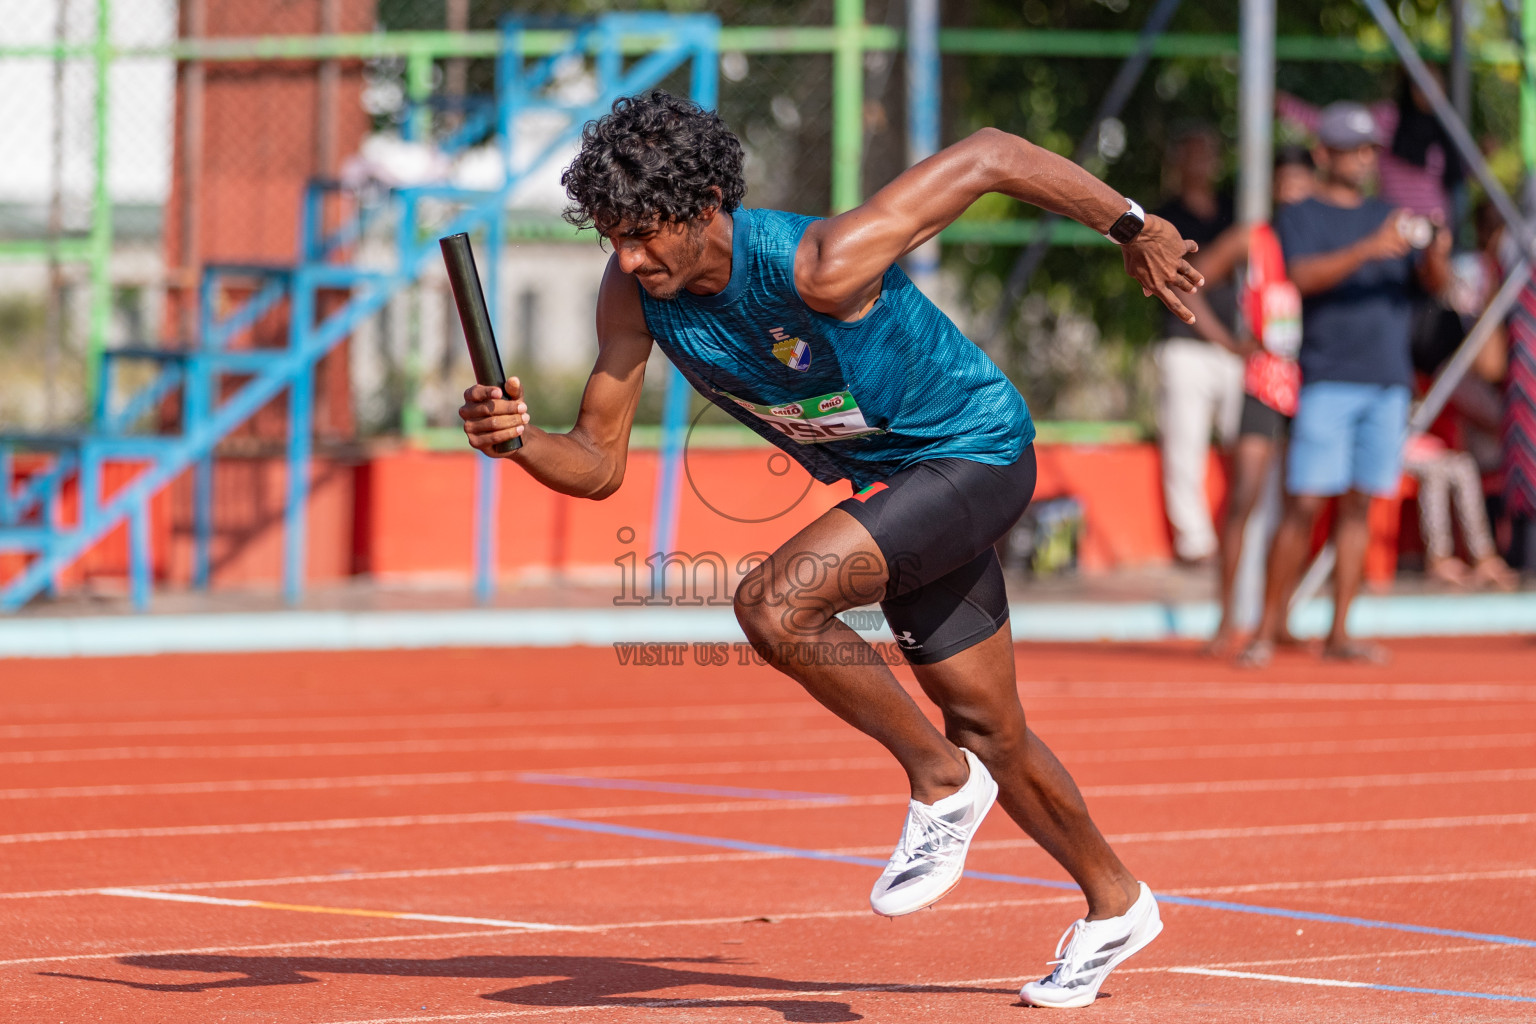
(654, 157)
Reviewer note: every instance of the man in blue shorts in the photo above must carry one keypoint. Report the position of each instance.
(806, 331)
(1353, 259)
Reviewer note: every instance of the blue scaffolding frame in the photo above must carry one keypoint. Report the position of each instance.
(212, 405)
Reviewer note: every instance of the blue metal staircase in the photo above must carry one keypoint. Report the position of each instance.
(221, 385)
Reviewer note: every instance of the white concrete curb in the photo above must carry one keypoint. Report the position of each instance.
(118, 635)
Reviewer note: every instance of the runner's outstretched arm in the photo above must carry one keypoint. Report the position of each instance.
(841, 260)
(589, 461)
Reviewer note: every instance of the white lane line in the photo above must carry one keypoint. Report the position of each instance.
(1296, 691)
(734, 807)
(630, 863)
(253, 948)
(361, 748)
(1046, 693)
(630, 1002)
(1046, 725)
(428, 720)
(591, 1010)
(622, 863)
(1376, 954)
(1212, 972)
(1354, 883)
(1289, 979)
(1312, 748)
(533, 778)
(532, 926)
(1044, 720)
(1393, 781)
(264, 785)
(1263, 831)
(1180, 752)
(401, 915)
(796, 764)
(860, 913)
(1326, 827)
(467, 818)
(1474, 776)
(699, 922)
(886, 763)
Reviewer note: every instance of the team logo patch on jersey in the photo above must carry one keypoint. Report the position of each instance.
(793, 353)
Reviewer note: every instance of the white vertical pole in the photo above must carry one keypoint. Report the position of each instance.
(1256, 106)
(923, 118)
(1255, 127)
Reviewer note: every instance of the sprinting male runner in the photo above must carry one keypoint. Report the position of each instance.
(806, 331)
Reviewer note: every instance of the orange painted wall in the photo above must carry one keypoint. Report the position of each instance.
(733, 502)
(403, 514)
(247, 545)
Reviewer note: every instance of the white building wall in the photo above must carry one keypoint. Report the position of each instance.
(547, 308)
(141, 98)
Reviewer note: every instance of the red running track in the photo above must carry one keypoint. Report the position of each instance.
(350, 837)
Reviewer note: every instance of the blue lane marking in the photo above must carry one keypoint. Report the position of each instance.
(1358, 922)
(790, 851)
(784, 851)
(683, 837)
(647, 786)
(1284, 979)
(1453, 992)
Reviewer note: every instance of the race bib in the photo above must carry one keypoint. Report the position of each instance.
(834, 417)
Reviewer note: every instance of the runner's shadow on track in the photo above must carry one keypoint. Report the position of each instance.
(595, 981)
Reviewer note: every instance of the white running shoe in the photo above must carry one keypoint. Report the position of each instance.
(930, 857)
(1095, 949)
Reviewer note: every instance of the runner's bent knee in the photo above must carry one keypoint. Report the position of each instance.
(994, 735)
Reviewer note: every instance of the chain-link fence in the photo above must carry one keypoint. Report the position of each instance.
(1078, 342)
(214, 114)
(781, 105)
(48, 196)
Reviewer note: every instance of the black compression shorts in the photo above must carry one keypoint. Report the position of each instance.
(935, 523)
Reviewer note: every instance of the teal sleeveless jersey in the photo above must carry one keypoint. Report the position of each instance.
(849, 401)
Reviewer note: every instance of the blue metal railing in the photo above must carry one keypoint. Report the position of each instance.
(31, 521)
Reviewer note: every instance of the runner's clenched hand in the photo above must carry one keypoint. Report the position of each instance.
(492, 416)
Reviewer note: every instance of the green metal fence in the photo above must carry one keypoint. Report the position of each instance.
(807, 73)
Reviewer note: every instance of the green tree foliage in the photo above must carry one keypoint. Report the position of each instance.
(1051, 100)
(1085, 323)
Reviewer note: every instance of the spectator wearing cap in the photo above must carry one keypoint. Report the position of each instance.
(1418, 168)
(1353, 259)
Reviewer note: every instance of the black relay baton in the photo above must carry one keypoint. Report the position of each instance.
(459, 258)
